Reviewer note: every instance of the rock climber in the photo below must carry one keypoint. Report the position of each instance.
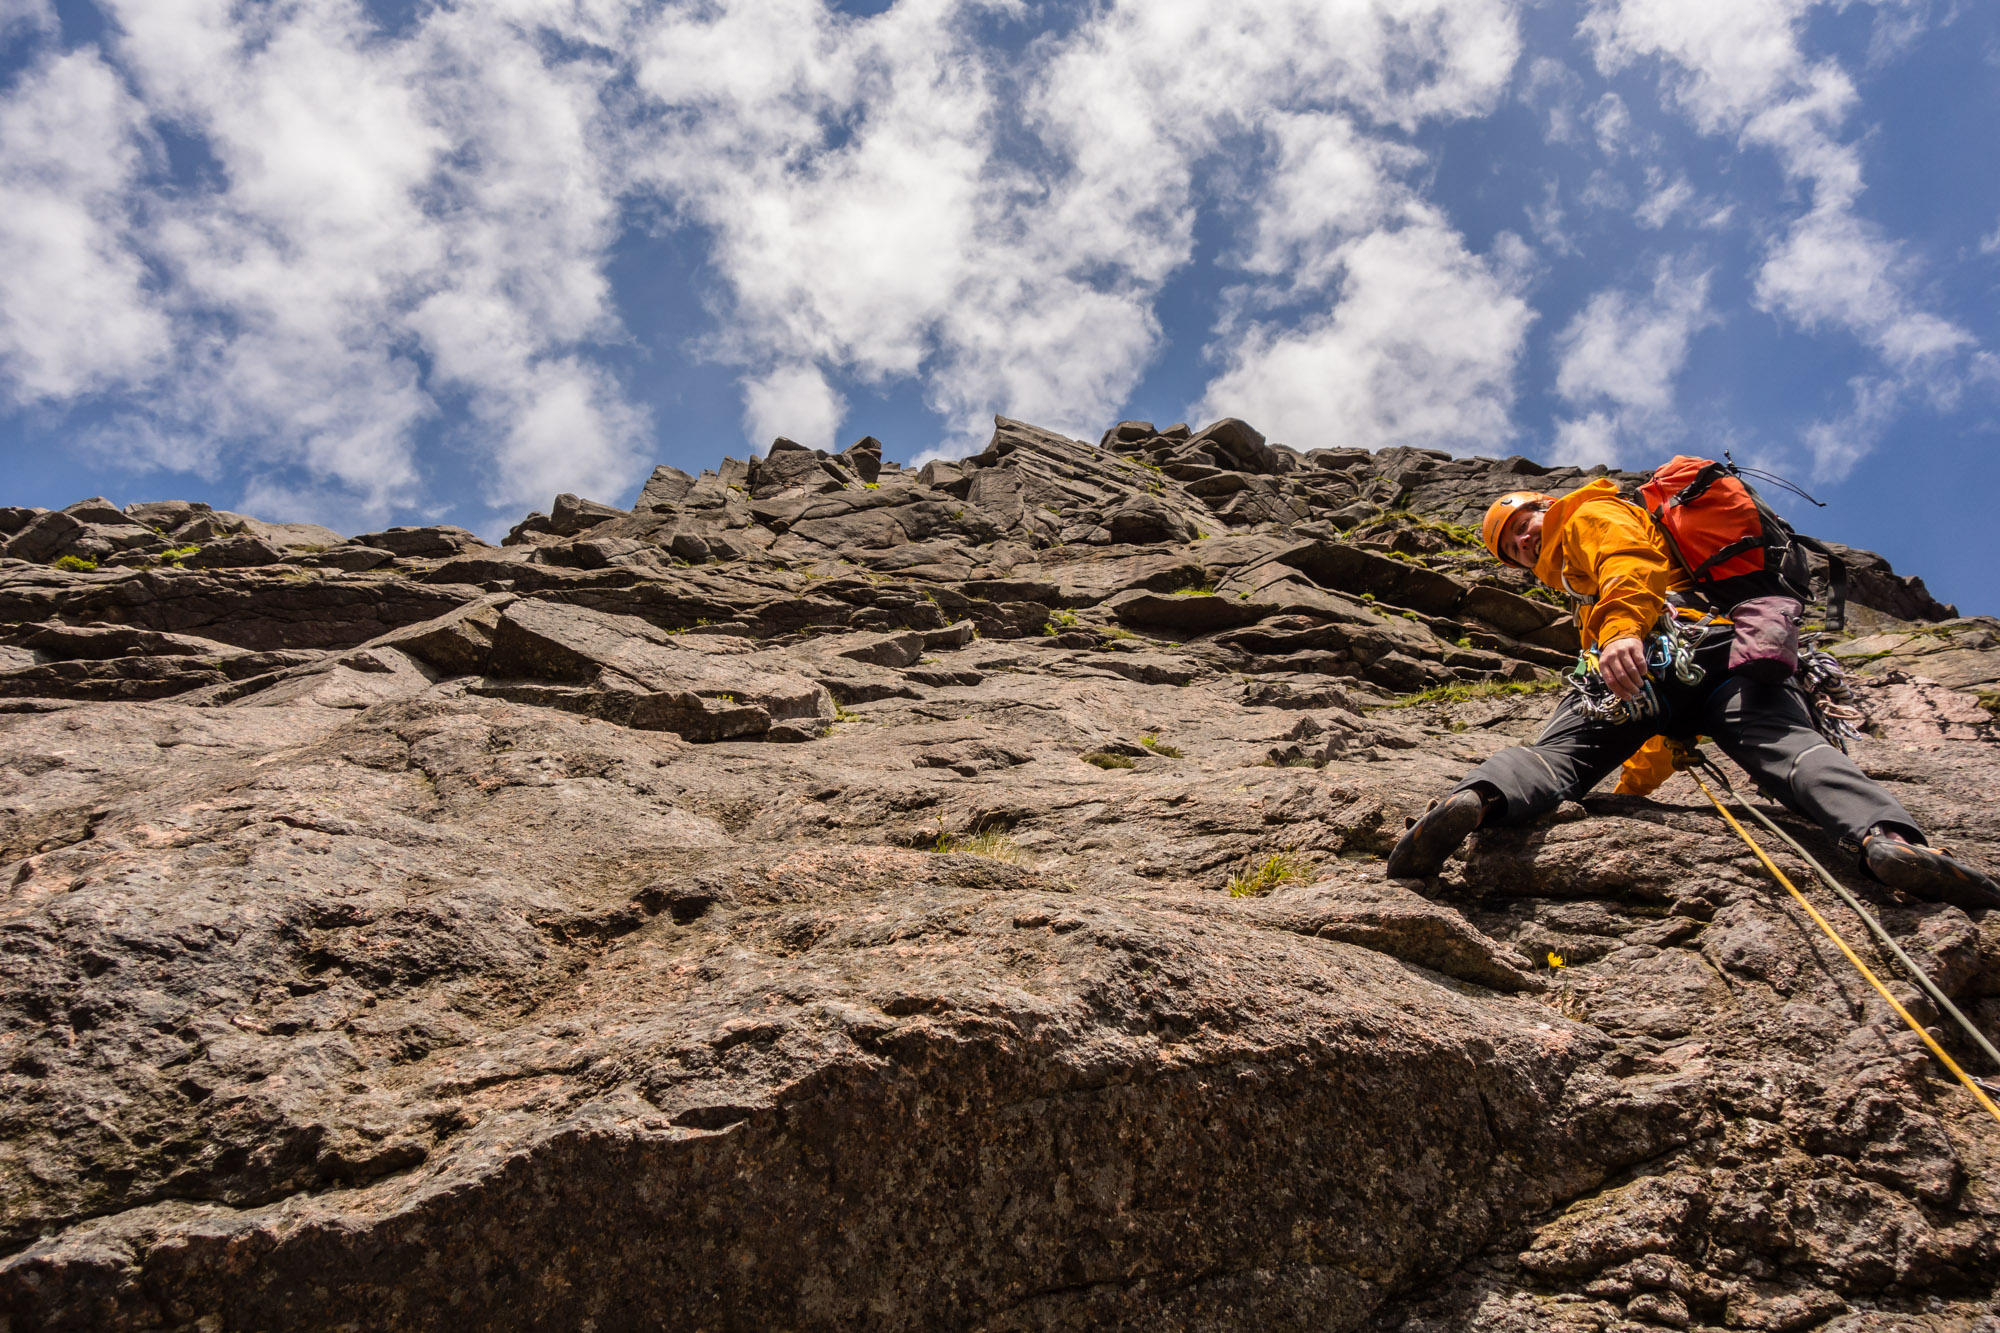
(1610, 553)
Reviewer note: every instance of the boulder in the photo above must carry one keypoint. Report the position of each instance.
(1401, 583)
(1506, 611)
(863, 458)
(624, 670)
(889, 650)
(1185, 613)
(429, 543)
(1238, 445)
(302, 538)
(351, 559)
(1145, 520)
(44, 537)
(165, 515)
(534, 530)
(234, 552)
(1384, 915)
(15, 517)
(97, 510)
(790, 469)
(667, 487)
(573, 514)
(458, 643)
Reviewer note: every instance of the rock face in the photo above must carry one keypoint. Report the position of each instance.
(832, 895)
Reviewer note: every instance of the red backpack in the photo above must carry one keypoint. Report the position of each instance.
(1729, 541)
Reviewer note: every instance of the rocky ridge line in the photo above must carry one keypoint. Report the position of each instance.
(414, 932)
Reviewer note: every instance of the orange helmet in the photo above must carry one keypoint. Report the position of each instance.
(1502, 511)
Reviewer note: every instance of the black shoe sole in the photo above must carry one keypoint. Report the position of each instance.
(1930, 874)
(1422, 850)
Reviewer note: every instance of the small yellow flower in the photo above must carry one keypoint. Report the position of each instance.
(1556, 960)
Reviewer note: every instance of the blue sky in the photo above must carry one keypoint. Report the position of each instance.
(401, 261)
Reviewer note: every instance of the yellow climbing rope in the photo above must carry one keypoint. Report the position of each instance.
(1861, 967)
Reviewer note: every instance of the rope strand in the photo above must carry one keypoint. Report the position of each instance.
(1971, 1086)
(1875, 927)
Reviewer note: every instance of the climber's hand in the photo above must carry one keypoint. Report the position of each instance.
(1623, 662)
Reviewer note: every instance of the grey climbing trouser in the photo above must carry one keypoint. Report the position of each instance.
(1764, 728)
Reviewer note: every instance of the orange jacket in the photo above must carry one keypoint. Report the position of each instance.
(1596, 545)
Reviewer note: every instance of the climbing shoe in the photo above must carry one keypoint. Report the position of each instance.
(1926, 872)
(1428, 841)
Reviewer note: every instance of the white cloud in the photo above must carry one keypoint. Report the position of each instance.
(1586, 441)
(1833, 268)
(76, 316)
(1737, 67)
(795, 402)
(1735, 57)
(1670, 198)
(1667, 199)
(1838, 444)
(1546, 219)
(1420, 349)
(1620, 357)
(390, 222)
(1611, 122)
(1548, 79)
(1604, 190)
(1329, 182)
(862, 177)
(401, 231)
(30, 14)
(1629, 349)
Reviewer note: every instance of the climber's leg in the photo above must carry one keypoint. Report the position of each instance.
(1572, 755)
(1767, 730)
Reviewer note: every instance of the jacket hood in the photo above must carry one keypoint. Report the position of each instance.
(1548, 564)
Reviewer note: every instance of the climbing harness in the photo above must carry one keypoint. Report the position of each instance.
(1669, 650)
(1979, 1088)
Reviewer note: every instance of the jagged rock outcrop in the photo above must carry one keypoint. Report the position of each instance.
(805, 900)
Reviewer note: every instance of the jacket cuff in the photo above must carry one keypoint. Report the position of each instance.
(1620, 627)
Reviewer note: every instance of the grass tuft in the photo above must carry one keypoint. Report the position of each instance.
(75, 564)
(1059, 621)
(1105, 759)
(992, 844)
(1254, 881)
(1160, 747)
(1485, 689)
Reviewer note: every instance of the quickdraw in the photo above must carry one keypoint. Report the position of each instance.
(1828, 699)
(1669, 651)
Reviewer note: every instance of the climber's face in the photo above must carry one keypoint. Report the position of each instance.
(1522, 542)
